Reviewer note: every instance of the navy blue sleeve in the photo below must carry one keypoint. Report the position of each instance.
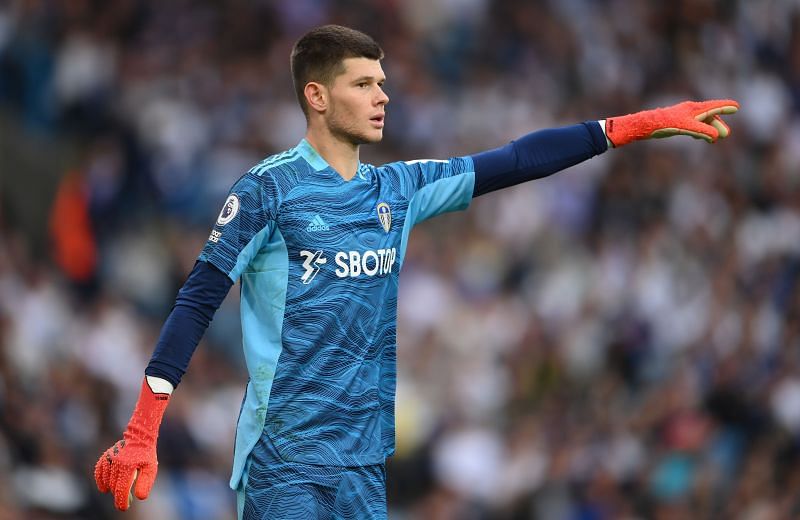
(537, 155)
(195, 305)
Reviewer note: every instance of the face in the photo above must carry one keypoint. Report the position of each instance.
(357, 102)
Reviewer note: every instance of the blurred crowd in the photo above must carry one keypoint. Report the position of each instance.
(620, 340)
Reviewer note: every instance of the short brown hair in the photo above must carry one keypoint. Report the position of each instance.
(319, 54)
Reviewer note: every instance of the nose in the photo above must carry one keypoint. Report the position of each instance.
(383, 99)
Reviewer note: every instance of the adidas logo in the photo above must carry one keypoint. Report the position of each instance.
(317, 224)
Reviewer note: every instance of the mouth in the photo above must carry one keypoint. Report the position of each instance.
(377, 121)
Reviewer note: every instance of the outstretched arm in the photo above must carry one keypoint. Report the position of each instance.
(537, 155)
(131, 463)
(545, 152)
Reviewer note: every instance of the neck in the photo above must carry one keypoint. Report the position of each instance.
(341, 155)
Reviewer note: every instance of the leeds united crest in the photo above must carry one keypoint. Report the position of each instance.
(385, 216)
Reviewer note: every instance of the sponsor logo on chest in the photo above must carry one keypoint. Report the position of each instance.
(350, 264)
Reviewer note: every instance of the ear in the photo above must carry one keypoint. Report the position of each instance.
(316, 96)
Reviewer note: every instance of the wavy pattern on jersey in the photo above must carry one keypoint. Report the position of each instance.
(336, 345)
(279, 490)
(332, 390)
(328, 400)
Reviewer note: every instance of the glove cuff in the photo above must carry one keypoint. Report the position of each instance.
(146, 418)
(622, 130)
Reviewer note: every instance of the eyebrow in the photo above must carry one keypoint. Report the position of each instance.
(368, 78)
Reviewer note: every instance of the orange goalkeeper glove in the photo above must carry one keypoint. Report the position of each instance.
(699, 119)
(133, 459)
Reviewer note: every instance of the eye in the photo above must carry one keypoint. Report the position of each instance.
(363, 84)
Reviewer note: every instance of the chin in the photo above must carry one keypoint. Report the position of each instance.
(368, 138)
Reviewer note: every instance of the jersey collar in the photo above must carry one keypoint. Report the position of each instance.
(319, 164)
(311, 156)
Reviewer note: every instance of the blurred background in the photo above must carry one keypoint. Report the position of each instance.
(617, 341)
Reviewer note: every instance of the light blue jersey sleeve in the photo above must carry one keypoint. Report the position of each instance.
(433, 186)
(244, 225)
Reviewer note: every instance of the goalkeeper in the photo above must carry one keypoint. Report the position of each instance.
(317, 239)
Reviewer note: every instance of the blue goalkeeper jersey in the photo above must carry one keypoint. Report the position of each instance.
(319, 258)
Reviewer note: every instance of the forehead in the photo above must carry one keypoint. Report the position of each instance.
(361, 67)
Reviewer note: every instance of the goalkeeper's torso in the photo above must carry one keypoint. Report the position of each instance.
(318, 258)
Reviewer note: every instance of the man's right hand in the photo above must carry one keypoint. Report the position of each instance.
(133, 459)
